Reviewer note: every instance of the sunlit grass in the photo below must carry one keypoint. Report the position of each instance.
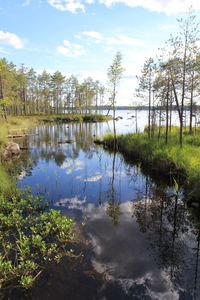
(7, 184)
(139, 146)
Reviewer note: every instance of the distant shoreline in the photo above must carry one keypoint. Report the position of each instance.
(174, 108)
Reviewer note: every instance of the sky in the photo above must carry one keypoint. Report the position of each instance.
(81, 37)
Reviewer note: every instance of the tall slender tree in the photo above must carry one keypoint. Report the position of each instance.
(114, 74)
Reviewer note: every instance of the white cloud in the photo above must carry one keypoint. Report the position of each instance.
(118, 40)
(26, 3)
(124, 40)
(167, 27)
(93, 35)
(11, 39)
(68, 5)
(94, 178)
(77, 36)
(169, 7)
(72, 203)
(69, 49)
(71, 165)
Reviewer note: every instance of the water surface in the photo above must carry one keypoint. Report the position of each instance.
(145, 243)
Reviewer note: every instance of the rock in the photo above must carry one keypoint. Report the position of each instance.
(12, 150)
(99, 142)
(65, 142)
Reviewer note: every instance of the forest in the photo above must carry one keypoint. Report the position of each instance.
(24, 92)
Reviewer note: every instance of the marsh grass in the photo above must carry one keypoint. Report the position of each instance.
(7, 185)
(185, 158)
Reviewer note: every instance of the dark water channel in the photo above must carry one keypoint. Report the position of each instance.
(145, 242)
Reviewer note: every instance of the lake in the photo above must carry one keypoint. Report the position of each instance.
(144, 241)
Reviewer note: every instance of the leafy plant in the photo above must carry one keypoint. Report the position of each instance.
(30, 236)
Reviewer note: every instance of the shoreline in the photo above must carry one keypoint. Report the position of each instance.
(20, 124)
(169, 160)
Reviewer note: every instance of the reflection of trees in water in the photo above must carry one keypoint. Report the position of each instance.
(196, 265)
(194, 217)
(100, 170)
(113, 200)
(58, 142)
(164, 218)
(113, 211)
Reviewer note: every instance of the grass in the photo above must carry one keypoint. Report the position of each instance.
(166, 159)
(17, 124)
(7, 184)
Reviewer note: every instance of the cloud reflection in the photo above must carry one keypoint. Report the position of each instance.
(122, 253)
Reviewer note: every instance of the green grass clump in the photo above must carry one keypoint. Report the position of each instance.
(185, 159)
(7, 184)
(135, 145)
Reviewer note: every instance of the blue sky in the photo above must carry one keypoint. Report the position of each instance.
(83, 36)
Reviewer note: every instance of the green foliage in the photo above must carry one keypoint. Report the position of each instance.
(6, 184)
(30, 236)
(66, 118)
(114, 74)
(185, 158)
(45, 93)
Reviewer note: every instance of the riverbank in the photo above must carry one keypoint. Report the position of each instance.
(168, 160)
(18, 125)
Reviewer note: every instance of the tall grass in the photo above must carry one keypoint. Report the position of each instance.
(186, 158)
(7, 185)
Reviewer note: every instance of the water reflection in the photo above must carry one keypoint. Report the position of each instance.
(145, 242)
(79, 168)
(148, 254)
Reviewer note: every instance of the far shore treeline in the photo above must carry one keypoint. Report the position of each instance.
(25, 92)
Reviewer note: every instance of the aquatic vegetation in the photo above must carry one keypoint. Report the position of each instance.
(30, 236)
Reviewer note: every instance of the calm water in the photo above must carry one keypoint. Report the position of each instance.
(145, 244)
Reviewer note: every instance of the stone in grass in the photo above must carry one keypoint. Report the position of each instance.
(11, 150)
